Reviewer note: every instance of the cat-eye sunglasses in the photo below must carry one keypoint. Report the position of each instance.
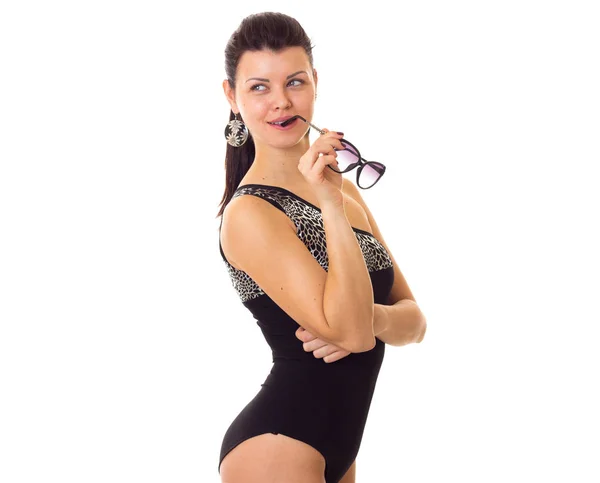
(369, 172)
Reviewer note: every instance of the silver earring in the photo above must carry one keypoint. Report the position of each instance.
(236, 132)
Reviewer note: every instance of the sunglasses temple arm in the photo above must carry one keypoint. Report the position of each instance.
(310, 124)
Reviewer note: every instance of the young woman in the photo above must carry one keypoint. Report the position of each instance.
(307, 259)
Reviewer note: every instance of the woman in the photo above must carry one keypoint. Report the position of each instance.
(307, 421)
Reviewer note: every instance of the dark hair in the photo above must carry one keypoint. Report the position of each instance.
(260, 31)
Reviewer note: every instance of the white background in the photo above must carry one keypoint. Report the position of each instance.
(124, 351)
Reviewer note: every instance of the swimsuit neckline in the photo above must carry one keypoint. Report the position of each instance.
(294, 195)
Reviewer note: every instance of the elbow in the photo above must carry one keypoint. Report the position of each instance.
(353, 346)
(421, 333)
(372, 342)
(366, 342)
(357, 343)
(358, 339)
(364, 345)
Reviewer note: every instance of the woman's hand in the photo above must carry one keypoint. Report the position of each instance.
(326, 183)
(320, 348)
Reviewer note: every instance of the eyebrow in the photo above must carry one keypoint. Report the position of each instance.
(267, 80)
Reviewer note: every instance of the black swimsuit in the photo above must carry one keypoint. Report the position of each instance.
(322, 404)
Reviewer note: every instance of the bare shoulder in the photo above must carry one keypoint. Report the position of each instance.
(256, 236)
(400, 290)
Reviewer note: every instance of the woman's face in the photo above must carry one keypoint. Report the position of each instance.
(271, 85)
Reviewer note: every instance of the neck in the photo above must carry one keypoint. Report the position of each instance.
(279, 166)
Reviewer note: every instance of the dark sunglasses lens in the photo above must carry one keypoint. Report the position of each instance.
(369, 175)
(346, 158)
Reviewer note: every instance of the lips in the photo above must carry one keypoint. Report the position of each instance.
(279, 120)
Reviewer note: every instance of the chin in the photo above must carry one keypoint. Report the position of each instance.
(288, 144)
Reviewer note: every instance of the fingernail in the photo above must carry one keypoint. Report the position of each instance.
(340, 133)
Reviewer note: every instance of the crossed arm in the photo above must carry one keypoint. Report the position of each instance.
(399, 324)
(401, 321)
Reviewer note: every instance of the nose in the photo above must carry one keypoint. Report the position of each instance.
(282, 101)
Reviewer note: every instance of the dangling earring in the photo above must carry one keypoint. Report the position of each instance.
(236, 132)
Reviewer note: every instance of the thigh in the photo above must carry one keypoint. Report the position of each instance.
(273, 458)
(350, 476)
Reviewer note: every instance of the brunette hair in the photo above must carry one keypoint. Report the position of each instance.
(260, 31)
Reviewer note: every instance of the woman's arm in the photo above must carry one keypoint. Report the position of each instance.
(399, 324)
(348, 297)
(400, 321)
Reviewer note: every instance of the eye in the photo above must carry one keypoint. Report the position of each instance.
(254, 87)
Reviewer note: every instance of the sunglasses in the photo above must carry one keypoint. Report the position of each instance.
(369, 172)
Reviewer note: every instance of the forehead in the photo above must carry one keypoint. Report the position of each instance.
(272, 65)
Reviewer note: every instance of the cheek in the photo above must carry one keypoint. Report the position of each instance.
(307, 102)
(256, 108)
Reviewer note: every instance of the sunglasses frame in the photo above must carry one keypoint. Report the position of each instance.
(361, 163)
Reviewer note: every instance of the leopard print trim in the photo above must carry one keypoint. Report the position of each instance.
(310, 229)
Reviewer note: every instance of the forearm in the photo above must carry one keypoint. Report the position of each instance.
(348, 294)
(399, 324)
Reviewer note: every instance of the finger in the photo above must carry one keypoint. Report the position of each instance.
(326, 350)
(325, 148)
(305, 336)
(323, 161)
(308, 337)
(331, 139)
(332, 133)
(314, 345)
(319, 151)
(336, 356)
(331, 146)
(302, 332)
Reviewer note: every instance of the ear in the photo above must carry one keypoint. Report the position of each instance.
(230, 95)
